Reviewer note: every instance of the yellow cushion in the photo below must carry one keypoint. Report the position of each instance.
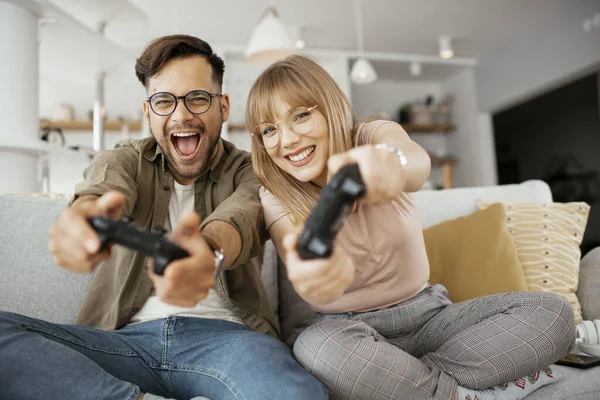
(547, 238)
(474, 256)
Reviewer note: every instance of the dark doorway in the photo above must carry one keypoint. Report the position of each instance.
(556, 137)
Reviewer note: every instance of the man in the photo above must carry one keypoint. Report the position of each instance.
(186, 333)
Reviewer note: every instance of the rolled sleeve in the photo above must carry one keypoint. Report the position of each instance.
(111, 170)
(243, 211)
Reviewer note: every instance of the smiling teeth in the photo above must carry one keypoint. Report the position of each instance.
(184, 134)
(303, 155)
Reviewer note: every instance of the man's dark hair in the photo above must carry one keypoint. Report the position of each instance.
(166, 48)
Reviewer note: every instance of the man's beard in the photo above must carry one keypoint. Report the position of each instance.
(206, 153)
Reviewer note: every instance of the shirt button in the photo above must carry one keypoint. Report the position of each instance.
(135, 310)
(166, 188)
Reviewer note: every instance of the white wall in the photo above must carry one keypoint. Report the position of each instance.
(549, 52)
(470, 142)
(487, 150)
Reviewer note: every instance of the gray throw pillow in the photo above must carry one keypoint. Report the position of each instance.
(588, 291)
(295, 314)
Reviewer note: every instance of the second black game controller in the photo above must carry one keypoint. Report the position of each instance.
(330, 213)
(152, 244)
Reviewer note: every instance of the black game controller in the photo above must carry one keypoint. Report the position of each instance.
(152, 244)
(330, 213)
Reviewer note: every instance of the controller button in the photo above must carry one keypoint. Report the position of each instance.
(101, 223)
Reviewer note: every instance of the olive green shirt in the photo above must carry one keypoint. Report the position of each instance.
(227, 191)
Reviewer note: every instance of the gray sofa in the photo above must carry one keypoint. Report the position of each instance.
(31, 284)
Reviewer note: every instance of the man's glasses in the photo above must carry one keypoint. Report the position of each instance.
(196, 101)
(300, 120)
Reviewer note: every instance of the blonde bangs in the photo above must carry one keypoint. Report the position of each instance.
(299, 82)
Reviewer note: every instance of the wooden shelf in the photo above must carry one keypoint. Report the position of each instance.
(89, 126)
(433, 128)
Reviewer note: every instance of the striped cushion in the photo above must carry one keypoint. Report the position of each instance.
(547, 238)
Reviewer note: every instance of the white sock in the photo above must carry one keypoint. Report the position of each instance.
(514, 390)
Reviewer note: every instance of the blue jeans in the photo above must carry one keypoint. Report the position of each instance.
(174, 357)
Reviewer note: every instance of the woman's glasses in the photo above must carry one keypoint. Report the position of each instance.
(300, 120)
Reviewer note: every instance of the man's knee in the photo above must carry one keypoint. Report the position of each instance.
(271, 362)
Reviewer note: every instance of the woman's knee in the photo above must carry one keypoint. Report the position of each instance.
(314, 342)
(328, 340)
(565, 316)
(555, 310)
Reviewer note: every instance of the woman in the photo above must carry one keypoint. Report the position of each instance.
(381, 330)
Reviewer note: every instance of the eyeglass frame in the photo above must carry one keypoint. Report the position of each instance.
(286, 123)
(211, 95)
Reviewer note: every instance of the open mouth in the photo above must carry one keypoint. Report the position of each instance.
(186, 144)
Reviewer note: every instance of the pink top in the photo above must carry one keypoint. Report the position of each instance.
(385, 241)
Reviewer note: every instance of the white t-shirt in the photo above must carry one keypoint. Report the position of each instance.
(182, 199)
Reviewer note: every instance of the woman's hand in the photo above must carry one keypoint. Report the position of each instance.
(381, 171)
(319, 281)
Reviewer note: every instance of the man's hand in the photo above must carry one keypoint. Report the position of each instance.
(319, 281)
(381, 171)
(186, 281)
(73, 243)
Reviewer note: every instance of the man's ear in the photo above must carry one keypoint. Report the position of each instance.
(225, 107)
(146, 109)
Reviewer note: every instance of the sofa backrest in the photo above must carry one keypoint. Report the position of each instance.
(438, 206)
(30, 283)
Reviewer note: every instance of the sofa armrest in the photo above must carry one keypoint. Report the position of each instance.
(588, 291)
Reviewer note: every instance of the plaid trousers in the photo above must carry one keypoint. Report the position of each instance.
(424, 347)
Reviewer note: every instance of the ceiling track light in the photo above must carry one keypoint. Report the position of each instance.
(445, 47)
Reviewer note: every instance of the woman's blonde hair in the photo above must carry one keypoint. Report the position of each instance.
(300, 82)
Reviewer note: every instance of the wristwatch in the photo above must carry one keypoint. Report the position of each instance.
(399, 153)
(219, 261)
(219, 257)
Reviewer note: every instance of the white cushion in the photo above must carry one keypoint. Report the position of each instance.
(438, 206)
